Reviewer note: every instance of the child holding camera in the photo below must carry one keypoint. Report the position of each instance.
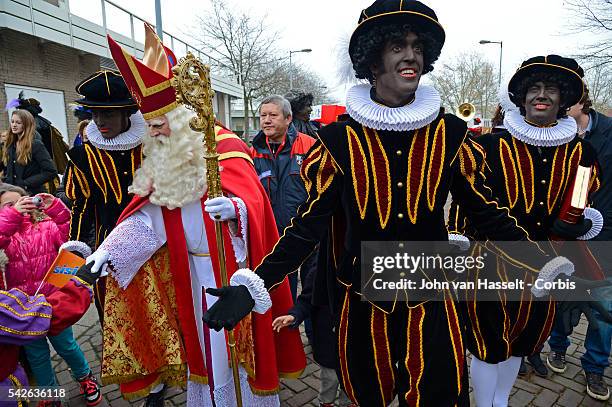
(32, 229)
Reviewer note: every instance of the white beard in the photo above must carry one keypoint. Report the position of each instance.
(173, 172)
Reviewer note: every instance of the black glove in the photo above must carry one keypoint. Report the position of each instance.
(85, 274)
(567, 317)
(570, 310)
(234, 303)
(570, 231)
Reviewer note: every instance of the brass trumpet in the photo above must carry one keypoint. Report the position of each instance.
(466, 111)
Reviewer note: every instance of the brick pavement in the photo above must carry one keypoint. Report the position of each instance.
(566, 390)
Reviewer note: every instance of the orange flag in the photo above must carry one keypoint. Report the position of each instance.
(63, 268)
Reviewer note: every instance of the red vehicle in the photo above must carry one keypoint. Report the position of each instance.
(326, 114)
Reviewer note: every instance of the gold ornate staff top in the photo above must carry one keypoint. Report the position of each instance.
(191, 82)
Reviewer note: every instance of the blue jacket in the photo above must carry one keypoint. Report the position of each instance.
(600, 137)
(280, 173)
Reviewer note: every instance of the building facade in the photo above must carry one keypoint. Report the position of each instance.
(45, 50)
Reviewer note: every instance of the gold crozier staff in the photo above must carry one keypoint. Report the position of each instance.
(193, 89)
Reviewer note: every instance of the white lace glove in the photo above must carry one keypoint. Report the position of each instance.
(460, 241)
(220, 209)
(100, 258)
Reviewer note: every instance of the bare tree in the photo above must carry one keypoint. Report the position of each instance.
(273, 79)
(240, 44)
(468, 78)
(310, 82)
(594, 17)
(599, 82)
(303, 79)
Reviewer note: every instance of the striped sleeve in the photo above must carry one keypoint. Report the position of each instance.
(595, 182)
(79, 192)
(471, 191)
(456, 219)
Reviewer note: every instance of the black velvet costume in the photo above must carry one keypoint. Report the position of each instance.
(100, 171)
(97, 182)
(365, 174)
(392, 185)
(531, 181)
(530, 176)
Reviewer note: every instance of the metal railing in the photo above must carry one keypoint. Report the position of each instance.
(178, 46)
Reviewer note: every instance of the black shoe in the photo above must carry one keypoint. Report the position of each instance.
(536, 361)
(523, 370)
(556, 362)
(596, 387)
(156, 399)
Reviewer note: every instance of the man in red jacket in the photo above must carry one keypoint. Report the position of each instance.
(278, 152)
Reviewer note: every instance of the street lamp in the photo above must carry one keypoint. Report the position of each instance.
(501, 50)
(291, 66)
(158, 20)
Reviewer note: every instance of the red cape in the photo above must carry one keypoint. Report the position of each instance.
(276, 355)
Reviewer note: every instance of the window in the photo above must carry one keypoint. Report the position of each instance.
(51, 101)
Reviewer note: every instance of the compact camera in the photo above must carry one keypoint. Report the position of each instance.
(37, 201)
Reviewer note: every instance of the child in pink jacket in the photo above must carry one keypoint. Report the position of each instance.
(31, 245)
(31, 233)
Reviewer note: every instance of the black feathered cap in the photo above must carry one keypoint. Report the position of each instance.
(385, 12)
(31, 105)
(556, 64)
(105, 89)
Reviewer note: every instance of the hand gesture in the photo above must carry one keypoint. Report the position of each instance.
(234, 303)
(570, 310)
(86, 273)
(282, 322)
(99, 259)
(220, 209)
(24, 205)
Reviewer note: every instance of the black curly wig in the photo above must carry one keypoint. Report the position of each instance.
(558, 79)
(299, 101)
(370, 45)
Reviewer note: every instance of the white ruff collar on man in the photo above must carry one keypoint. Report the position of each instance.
(422, 111)
(124, 141)
(561, 133)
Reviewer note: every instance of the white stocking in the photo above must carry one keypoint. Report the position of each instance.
(484, 381)
(507, 371)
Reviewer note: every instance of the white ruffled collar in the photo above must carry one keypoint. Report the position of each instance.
(422, 111)
(563, 132)
(124, 141)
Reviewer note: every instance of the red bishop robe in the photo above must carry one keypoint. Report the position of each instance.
(149, 334)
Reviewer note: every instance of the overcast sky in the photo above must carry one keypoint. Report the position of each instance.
(526, 27)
